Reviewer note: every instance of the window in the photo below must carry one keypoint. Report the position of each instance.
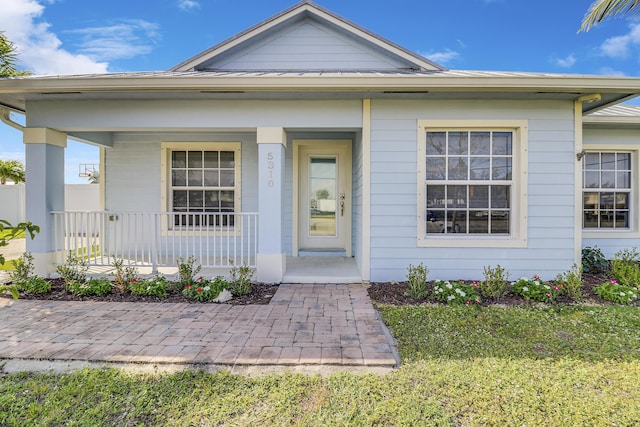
(606, 190)
(203, 179)
(470, 187)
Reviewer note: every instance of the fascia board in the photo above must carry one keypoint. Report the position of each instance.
(342, 83)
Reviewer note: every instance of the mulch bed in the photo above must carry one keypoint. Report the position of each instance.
(394, 293)
(260, 294)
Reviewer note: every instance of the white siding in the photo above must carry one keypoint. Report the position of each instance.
(618, 139)
(307, 46)
(394, 201)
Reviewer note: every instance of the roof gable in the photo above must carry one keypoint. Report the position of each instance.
(306, 37)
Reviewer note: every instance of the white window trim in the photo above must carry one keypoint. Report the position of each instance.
(633, 232)
(165, 180)
(519, 202)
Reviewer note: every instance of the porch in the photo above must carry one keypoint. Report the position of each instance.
(154, 242)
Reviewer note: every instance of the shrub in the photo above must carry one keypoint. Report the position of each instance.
(74, 270)
(123, 275)
(23, 269)
(187, 270)
(34, 285)
(625, 269)
(456, 292)
(205, 290)
(496, 282)
(240, 283)
(612, 291)
(571, 282)
(97, 287)
(155, 286)
(417, 280)
(536, 290)
(593, 261)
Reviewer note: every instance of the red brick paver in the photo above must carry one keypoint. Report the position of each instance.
(303, 325)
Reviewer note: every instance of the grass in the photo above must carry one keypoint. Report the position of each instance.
(560, 366)
(7, 232)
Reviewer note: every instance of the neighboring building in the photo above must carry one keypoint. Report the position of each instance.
(309, 135)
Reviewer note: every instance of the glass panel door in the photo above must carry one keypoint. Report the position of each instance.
(322, 196)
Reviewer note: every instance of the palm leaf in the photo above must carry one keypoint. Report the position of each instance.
(604, 9)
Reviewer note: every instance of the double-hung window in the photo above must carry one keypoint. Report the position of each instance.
(470, 188)
(606, 193)
(203, 183)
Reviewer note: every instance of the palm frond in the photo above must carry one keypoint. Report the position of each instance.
(604, 9)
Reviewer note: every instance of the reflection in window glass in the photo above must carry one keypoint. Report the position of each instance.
(468, 182)
(606, 180)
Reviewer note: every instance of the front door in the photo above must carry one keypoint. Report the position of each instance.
(324, 196)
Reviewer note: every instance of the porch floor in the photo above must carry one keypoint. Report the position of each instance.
(322, 269)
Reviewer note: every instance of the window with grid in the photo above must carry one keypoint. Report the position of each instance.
(469, 182)
(606, 190)
(203, 181)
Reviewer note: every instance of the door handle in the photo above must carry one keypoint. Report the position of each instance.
(342, 198)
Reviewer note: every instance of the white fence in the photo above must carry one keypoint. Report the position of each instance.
(85, 197)
(157, 239)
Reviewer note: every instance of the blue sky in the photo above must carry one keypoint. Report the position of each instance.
(80, 36)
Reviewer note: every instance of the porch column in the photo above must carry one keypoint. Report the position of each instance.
(44, 150)
(270, 263)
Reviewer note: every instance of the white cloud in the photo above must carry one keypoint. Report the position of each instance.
(188, 4)
(567, 62)
(620, 46)
(606, 71)
(126, 39)
(443, 57)
(39, 48)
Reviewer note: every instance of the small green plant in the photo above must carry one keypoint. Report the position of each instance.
(535, 289)
(571, 282)
(612, 291)
(123, 275)
(188, 268)
(9, 232)
(593, 260)
(240, 283)
(34, 285)
(625, 269)
(74, 270)
(10, 289)
(417, 280)
(205, 290)
(155, 286)
(97, 287)
(496, 282)
(23, 269)
(456, 292)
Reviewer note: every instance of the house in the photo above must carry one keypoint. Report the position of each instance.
(310, 137)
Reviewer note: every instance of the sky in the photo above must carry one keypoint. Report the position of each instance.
(80, 36)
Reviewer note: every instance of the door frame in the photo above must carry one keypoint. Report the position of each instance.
(297, 143)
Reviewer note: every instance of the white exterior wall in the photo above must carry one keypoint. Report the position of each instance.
(617, 139)
(550, 245)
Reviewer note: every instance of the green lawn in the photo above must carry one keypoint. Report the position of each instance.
(7, 232)
(529, 366)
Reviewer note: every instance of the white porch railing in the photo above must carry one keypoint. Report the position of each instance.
(157, 239)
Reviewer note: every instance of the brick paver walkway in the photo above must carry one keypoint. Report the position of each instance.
(303, 325)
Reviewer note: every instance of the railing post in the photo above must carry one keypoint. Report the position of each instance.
(155, 233)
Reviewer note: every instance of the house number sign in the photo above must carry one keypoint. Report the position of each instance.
(271, 165)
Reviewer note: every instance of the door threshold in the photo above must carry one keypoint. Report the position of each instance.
(322, 252)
